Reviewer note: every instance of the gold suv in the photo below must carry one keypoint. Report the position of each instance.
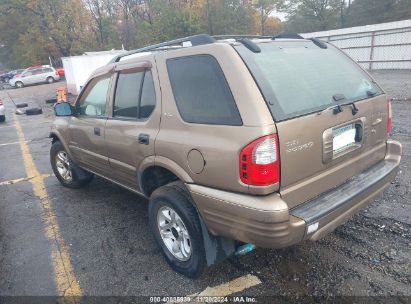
(236, 141)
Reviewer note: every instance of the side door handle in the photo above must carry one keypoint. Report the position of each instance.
(144, 139)
(97, 131)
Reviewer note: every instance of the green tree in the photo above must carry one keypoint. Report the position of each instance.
(313, 15)
(227, 17)
(363, 12)
(47, 28)
(266, 7)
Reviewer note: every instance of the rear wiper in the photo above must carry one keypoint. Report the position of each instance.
(339, 108)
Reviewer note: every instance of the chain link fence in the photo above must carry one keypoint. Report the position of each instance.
(374, 47)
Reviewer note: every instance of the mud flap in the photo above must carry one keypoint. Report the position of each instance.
(77, 171)
(217, 248)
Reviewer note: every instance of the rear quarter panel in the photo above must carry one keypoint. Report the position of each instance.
(219, 145)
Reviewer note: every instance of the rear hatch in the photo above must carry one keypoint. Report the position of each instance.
(330, 115)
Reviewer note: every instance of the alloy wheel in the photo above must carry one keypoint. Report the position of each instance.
(174, 233)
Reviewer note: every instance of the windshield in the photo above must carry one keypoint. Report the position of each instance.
(297, 78)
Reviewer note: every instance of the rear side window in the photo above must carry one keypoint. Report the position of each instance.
(47, 70)
(201, 91)
(135, 96)
(37, 71)
(148, 96)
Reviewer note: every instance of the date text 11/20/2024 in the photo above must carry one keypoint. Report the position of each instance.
(204, 299)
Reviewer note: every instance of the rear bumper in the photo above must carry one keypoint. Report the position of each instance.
(266, 221)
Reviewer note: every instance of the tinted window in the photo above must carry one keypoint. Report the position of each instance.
(127, 94)
(201, 91)
(37, 71)
(302, 78)
(27, 73)
(47, 70)
(93, 101)
(148, 96)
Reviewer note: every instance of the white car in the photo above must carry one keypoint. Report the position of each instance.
(2, 111)
(42, 74)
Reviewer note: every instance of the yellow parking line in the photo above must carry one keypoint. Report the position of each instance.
(66, 281)
(229, 288)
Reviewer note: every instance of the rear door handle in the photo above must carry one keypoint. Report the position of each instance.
(144, 139)
(97, 131)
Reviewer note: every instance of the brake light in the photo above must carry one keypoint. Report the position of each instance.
(260, 162)
(57, 73)
(1, 103)
(389, 119)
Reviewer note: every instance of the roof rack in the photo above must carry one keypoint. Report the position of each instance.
(194, 40)
(288, 36)
(241, 37)
(202, 39)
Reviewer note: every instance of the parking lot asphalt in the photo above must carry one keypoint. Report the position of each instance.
(96, 241)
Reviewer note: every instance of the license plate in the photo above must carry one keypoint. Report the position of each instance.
(343, 138)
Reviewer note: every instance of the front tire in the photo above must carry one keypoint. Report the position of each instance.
(66, 171)
(176, 227)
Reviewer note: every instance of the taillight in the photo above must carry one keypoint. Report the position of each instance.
(389, 119)
(1, 103)
(57, 73)
(260, 162)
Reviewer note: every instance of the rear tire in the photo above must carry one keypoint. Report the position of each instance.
(67, 172)
(50, 79)
(175, 225)
(19, 84)
(2, 118)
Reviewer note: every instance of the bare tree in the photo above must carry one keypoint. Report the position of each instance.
(96, 8)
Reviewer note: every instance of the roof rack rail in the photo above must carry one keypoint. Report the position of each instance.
(195, 40)
(288, 36)
(240, 37)
(321, 44)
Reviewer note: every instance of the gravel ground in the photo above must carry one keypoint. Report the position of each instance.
(397, 83)
(113, 252)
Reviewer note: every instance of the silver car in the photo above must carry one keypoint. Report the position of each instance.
(44, 74)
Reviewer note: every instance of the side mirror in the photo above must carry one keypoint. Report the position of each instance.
(63, 109)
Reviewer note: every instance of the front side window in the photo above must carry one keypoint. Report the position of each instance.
(201, 91)
(94, 99)
(135, 95)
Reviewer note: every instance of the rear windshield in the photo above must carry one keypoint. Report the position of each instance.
(297, 78)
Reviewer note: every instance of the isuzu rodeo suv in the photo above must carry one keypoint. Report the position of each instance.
(236, 141)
